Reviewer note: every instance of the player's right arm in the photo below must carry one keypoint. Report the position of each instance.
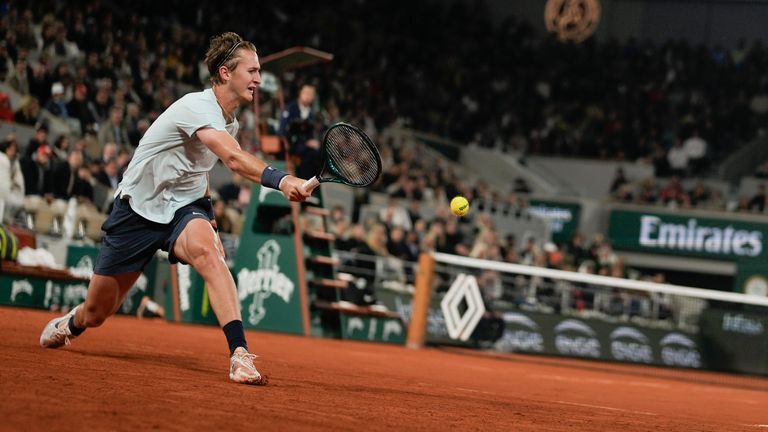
(247, 165)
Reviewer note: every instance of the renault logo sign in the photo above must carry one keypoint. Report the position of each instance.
(460, 326)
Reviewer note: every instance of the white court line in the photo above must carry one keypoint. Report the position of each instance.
(760, 426)
(606, 408)
(473, 391)
(600, 381)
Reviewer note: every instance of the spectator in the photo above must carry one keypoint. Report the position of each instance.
(230, 192)
(700, 195)
(11, 177)
(677, 157)
(758, 202)
(66, 179)
(38, 179)
(434, 239)
(393, 215)
(528, 252)
(6, 113)
(101, 104)
(696, 149)
(297, 126)
(84, 190)
(19, 80)
(223, 222)
(123, 159)
(113, 130)
(619, 179)
(29, 113)
(40, 139)
(455, 238)
(397, 246)
(672, 191)
(57, 105)
(577, 250)
(60, 149)
(6, 63)
(109, 151)
(81, 145)
(762, 171)
(521, 186)
(647, 194)
(82, 110)
(132, 118)
(624, 193)
(660, 161)
(109, 176)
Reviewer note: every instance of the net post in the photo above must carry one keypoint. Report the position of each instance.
(421, 298)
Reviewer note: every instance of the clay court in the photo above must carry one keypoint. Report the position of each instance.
(151, 375)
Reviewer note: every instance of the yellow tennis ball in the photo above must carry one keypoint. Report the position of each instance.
(459, 206)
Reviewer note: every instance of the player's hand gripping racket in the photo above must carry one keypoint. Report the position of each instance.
(349, 157)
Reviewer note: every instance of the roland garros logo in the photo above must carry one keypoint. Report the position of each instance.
(263, 282)
(572, 20)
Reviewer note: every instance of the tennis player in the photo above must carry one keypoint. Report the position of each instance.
(162, 203)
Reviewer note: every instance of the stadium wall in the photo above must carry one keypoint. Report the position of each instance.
(710, 22)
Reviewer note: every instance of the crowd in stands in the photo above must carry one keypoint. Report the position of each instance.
(402, 228)
(672, 193)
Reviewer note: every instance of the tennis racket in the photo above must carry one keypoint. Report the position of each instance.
(349, 157)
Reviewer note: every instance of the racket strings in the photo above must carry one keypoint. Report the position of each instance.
(352, 157)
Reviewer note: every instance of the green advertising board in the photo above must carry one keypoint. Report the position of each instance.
(436, 331)
(83, 259)
(736, 340)
(265, 269)
(265, 274)
(41, 292)
(562, 217)
(194, 305)
(553, 334)
(373, 329)
(661, 233)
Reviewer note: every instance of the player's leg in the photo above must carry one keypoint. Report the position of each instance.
(199, 245)
(129, 244)
(105, 294)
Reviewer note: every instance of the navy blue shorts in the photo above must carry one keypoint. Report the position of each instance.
(130, 241)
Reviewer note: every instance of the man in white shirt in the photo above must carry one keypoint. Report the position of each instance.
(11, 178)
(678, 159)
(162, 202)
(696, 149)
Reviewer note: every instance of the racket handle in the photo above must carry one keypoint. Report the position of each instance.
(310, 185)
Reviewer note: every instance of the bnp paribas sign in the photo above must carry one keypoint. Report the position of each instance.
(685, 235)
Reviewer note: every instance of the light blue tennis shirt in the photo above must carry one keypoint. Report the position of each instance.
(169, 168)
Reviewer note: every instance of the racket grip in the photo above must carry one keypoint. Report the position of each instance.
(310, 185)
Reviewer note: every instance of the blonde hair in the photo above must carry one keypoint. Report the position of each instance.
(222, 52)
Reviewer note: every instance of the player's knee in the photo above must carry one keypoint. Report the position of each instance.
(207, 258)
(94, 317)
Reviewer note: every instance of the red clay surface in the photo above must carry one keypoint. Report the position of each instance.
(147, 374)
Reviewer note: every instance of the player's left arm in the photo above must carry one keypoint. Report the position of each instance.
(247, 165)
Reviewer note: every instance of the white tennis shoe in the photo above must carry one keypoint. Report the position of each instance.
(55, 336)
(242, 370)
